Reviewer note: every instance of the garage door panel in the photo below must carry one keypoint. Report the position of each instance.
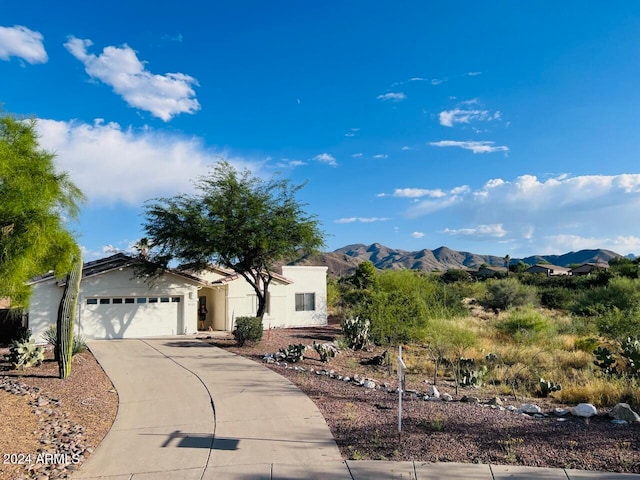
(129, 320)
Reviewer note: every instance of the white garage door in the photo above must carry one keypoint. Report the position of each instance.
(130, 317)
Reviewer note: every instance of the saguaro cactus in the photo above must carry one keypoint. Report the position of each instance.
(66, 318)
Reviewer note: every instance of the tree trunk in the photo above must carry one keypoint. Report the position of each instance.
(66, 317)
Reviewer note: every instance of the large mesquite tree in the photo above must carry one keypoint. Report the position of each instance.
(235, 220)
(35, 203)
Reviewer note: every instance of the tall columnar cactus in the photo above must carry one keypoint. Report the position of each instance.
(66, 318)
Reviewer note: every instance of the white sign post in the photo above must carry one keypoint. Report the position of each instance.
(401, 369)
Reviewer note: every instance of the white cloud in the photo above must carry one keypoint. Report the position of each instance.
(417, 234)
(392, 96)
(495, 230)
(19, 41)
(381, 155)
(112, 164)
(405, 148)
(558, 244)
(437, 81)
(417, 193)
(326, 158)
(474, 146)
(164, 96)
(474, 74)
(285, 162)
(417, 79)
(449, 118)
(357, 155)
(566, 213)
(361, 220)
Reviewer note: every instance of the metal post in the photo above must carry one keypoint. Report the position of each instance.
(401, 368)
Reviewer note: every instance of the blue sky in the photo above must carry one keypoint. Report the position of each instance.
(491, 127)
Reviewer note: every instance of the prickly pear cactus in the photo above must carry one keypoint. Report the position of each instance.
(547, 387)
(24, 354)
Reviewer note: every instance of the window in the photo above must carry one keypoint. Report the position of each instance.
(164, 299)
(92, 301)
(105, 301)
(175, 299)
(141, 300)
(153, 299)
(305, 302)
(129, 300)
(117, 300)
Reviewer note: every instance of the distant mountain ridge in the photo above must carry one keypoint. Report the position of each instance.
(344, 261)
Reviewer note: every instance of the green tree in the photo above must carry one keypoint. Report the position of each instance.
(365, 275)
(35, 200)
(236, 220)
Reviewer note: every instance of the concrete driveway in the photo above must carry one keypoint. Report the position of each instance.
(191, 411)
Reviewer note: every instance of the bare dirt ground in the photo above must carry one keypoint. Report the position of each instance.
(84, 404)
(365, 425)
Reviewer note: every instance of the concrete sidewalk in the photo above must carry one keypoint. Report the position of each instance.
(191, 411)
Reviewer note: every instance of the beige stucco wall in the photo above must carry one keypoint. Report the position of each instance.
(123, 320)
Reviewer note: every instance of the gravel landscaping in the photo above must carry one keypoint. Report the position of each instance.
(364, 420)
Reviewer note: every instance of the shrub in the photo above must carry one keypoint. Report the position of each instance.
(24, 354)
(508, 293)
(559, 298)
(79, 341)
(248, 329)
(524, 324)
(620, 293)
(615, 323)
(356, 332)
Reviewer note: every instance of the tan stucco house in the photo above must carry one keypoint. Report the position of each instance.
(115, 303)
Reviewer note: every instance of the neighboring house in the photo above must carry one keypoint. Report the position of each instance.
(114, 303)
(548, 269)
(589, 268)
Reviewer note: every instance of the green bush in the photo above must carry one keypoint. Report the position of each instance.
(525, 324)
(508, 293)
(79, 341)
(24, 354)
(402, 304)
(248, 329)
(620, 293)
(557, 297)
(615, 323)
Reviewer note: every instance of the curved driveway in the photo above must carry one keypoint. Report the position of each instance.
(191, 411)
(168, 425)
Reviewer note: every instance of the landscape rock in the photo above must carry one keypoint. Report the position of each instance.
(585, 410)
(495, 401)
(530, 408)
(446, 397)
(369, 384)
(622, 411)
(561, 412)
(470, 399)
(432, 391)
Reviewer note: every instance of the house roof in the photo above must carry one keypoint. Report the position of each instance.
(548, 266)
(228, 274)
(101, 266)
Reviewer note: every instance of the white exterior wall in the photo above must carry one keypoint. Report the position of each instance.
(120, 320)
(306, 280)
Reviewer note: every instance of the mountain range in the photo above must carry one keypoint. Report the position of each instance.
(344, 261)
